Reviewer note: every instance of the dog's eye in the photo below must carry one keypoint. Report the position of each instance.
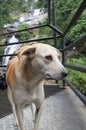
(49, 58)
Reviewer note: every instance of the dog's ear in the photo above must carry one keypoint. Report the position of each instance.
(29, 52)
(58, 52)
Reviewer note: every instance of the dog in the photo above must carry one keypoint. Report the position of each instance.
(25, 75)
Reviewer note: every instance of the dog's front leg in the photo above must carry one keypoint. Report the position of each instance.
(19, 115)
(17, 110)
(33, 109)
(38, 115)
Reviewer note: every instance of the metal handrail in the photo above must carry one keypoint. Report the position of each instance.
(77, 92)
(78, 68)
(30, 40)
(81, 40)
(22, 30)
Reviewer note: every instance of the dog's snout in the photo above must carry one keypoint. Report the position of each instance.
(64, 74)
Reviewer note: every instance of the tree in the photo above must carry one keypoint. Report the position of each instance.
(25, 35)
(65, 11)
(41, 4)
(4, 12)
(7, 6)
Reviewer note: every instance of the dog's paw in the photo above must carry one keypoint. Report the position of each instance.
(15, 125)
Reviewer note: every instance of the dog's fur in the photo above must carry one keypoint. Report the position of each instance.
(25, 76)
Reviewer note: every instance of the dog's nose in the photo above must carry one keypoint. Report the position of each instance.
(64, 74)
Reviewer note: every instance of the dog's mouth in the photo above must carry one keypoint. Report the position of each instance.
(48, 76)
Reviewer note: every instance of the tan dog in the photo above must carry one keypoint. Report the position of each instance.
(25, 76)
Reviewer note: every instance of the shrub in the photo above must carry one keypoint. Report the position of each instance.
(76, 77)
(25, 35)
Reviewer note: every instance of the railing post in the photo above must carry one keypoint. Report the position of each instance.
(48, 7)
(54, 21)
(63, 56)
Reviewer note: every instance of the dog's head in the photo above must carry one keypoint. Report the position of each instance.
(44, 60)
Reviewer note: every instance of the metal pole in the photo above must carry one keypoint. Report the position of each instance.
(27, 41)
(63, 52)
(48, 5)
(78, 68)
(81, 40)
(63, 56)
(77, 92)
(39, 26)
(54, 21)
(56, 29)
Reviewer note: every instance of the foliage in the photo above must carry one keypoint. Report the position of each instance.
(76, 77)
(41, 4)
(1, 52)
(77, 59)
(65, 12)
(25, 6)
(4, 12)
(45, 32)
(25, 35)
(7, 6)
(78, 30)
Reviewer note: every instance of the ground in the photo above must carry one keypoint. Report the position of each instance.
(63, 111)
